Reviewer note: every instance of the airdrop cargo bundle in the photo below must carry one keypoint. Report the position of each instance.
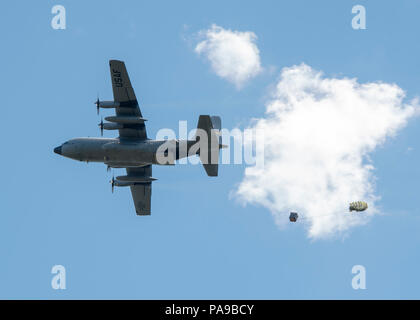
(293, 216)
(358, 206)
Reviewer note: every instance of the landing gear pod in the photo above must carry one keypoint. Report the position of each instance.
(358, 206)
(293, 216)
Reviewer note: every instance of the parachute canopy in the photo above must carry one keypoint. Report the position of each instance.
(293, 216)
(358, 206)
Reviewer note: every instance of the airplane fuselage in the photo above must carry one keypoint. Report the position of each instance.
(132, 149)
(116, 153)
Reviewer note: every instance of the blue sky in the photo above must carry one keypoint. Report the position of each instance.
(198, 243)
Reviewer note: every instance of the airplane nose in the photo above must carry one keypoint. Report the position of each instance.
(58, 150)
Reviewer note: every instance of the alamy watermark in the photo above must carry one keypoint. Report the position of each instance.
(359, 280)
(359, 20)
(207, 146)
(58, 282)
(58, 21)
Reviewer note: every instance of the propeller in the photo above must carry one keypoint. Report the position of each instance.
(97, 105)
(112, 184)
(101, 125)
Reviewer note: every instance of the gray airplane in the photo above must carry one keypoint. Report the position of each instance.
(133, 150)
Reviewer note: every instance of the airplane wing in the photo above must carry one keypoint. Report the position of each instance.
(141, 192)
(128, 105)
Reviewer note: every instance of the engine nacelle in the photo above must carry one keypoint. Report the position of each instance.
(108, 104)
(119, 183)
(132, 182)
(135, 179)
(112, 126)
(126, 119)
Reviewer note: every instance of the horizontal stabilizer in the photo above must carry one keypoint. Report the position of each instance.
(208, 135)
(211, 169)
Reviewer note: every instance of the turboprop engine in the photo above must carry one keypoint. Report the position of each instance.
(128, 181)
(109, 126)
(106, 104)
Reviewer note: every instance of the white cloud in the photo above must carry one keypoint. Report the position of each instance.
(233, 55)
(318, 135)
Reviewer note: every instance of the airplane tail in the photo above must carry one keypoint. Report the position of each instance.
(208, 133)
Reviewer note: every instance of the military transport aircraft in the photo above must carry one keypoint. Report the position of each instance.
(133, 150)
